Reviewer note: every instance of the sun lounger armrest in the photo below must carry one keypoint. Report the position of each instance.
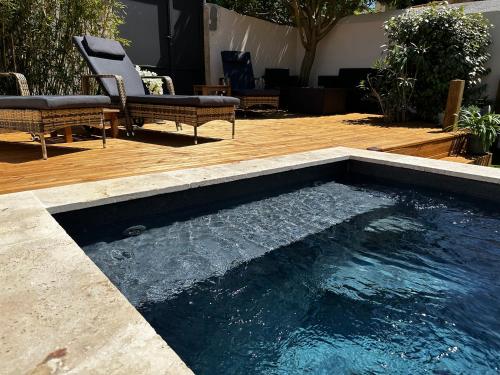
(166, 79)
(21, 82)
(119, 84)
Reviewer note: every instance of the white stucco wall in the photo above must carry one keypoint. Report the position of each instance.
(355, 42)
(270, 45)
(494, 77)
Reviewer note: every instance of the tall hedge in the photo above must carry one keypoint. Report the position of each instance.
(451, 45)
(36, 39)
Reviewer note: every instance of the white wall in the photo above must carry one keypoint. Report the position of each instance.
(494, 77)
(355, 42)
(270, 45)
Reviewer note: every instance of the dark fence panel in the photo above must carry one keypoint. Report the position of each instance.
(167, 37)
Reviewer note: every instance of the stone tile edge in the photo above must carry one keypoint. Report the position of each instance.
(90, 194)
(442, 167)
(26, 205)
(175, 181)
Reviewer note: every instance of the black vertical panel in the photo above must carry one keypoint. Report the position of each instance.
(146, 26)
(187, 39)
(167, 37)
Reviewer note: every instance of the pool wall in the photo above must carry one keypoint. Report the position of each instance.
(205, 199)
(59, 311)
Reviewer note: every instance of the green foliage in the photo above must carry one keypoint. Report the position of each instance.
(400, 4)
(442, 44)
(36, 39)
(280, 11)
(277, 11)
(393, 84)
(485, 127)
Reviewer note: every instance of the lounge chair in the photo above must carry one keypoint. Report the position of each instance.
(42, 114)
(119, 79)
(237, 66)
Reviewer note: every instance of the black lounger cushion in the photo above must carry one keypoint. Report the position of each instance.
(103, 47)
(184, 100)
(101, 64)
(256, 92)
(53, 102)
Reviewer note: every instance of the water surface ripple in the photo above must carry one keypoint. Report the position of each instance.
(360, 280)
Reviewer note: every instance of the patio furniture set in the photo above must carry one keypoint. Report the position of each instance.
(124, 90)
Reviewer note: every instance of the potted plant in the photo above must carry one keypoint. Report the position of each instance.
(482, 128)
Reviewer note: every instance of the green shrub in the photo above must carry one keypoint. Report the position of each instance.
(36, 39)
(441, 44)
(484, 126)
(393, 84)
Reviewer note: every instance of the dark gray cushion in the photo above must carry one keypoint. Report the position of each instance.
(256, 92)
(188, 101)
(103, 47)
(107, 65)
(53, 102)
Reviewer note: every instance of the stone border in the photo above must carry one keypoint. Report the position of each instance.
(60, 312)
(89, 194)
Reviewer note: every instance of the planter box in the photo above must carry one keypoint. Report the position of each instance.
(317, 101)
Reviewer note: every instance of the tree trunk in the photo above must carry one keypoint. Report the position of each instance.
(307, 63)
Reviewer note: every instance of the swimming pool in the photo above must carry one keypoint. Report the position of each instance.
(334, 276)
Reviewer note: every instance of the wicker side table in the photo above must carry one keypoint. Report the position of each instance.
(224, 90)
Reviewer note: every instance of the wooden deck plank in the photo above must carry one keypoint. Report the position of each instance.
(165, 149)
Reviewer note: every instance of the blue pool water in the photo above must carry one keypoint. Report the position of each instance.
(327, 279)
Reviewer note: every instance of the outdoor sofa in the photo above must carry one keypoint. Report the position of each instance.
(349, 80)
(42, 114)
(237, 66)
(116, 74)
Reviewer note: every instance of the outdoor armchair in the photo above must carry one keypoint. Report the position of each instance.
(42, 114)
(114, 70)
(237, 66)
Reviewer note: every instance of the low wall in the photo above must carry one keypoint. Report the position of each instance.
(270, 45)
(355, 42)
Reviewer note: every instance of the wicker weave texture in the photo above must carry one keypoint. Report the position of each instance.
(252, 101)
(46, 121)
(21, 82)
(194, 116)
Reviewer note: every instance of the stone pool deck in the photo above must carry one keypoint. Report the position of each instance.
(61, 315)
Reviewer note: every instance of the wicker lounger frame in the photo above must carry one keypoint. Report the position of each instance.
(189, 115)
(252, 101)
(41, 121)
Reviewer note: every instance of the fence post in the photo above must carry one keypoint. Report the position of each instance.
(455, 95)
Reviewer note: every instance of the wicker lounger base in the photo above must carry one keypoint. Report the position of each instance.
(252, 101)
(194, 116)
(41, 121)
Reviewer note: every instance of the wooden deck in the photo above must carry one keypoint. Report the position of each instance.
(21, 167)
